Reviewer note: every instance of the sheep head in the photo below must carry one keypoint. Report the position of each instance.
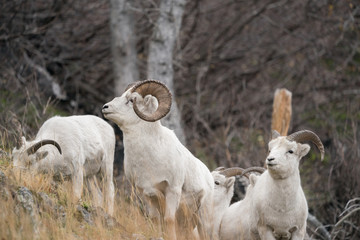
(285, 152)
(223, 182)
(26, 154)
(149, 100)
(224, 178)
(223, 187)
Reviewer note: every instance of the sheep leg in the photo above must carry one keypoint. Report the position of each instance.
(77, 182)
(93, 189)
(172, 201)
(109, 196)
(108, 188)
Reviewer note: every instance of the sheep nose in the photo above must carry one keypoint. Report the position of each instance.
(105, 106)
(270, 159)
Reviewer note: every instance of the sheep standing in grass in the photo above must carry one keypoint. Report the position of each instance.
(79, 147)
(156, 162)
(274, 206)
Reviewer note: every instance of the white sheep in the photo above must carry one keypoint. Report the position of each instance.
(223, 192)
(274, 206)
(77, 147)
(224, 180)
(156, 162)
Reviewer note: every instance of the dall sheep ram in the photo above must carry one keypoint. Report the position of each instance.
(224, 180)
(156, 162)
(275, 206)
(77, 147)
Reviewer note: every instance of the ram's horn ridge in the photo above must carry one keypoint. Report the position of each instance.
(229, 172)
(306, 136)
(36, 146)
(260, 170)
(219, 169)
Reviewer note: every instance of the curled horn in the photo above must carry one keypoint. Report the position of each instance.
(305, 136)
(158, 90)
(240, 171)
(230, 172)
(36, 146)
(253, 169)
(219, 169)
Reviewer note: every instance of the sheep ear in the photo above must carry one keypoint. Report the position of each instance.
(150, 104)
(303, 149)
(274, 134)
(253, 179)
(230, 181)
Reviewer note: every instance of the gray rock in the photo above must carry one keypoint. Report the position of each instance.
(25, 197)
(84, 215)
(108, 220)
(48, 205)
(26, 200)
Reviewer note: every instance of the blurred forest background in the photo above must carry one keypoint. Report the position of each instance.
(228, 59)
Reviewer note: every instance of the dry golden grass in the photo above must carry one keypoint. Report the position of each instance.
(17, 223)
(46, 223)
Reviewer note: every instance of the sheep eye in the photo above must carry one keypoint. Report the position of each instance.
(290, 151)
(217, 183)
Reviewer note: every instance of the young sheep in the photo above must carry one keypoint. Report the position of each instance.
(77, 147)
(274, 206)
(160, 167)
(224, 180)
(223, 192)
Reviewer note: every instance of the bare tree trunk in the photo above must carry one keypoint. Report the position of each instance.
(160, 57)
(281, 115)
(123, 45)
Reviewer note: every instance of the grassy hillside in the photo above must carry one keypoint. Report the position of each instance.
(35, 207)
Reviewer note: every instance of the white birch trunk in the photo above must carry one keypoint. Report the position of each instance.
(161, 48)
(123, 45)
